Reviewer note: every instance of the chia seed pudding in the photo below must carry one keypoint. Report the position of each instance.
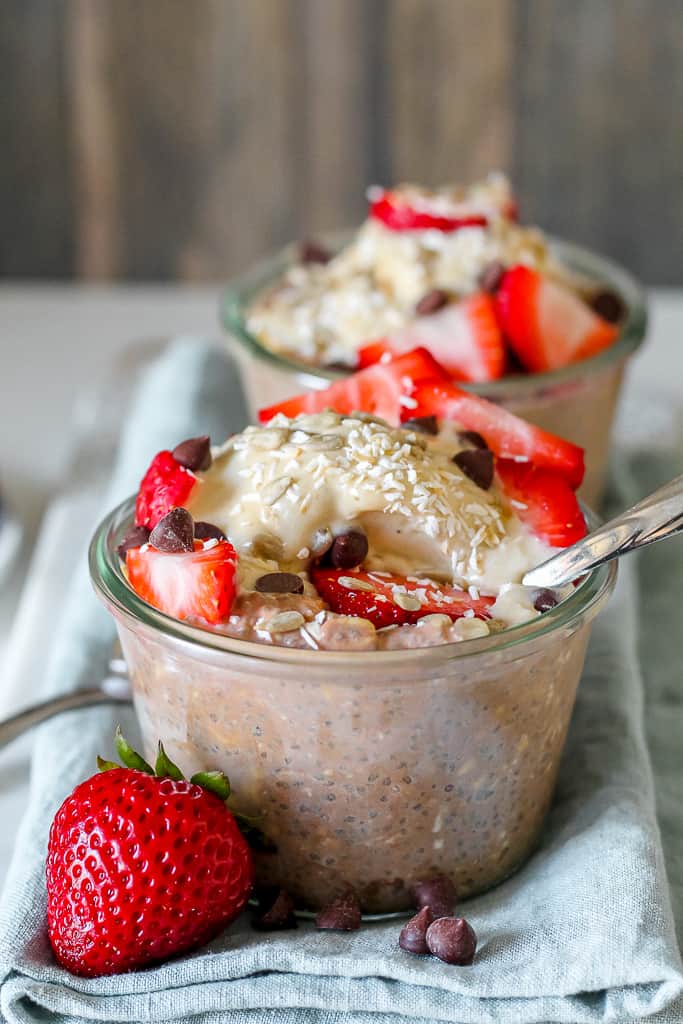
(330, 610)
(368, 775)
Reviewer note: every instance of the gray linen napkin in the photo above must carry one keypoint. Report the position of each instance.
(584, 933)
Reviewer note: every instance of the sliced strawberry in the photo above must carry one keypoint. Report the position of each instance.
(544, 501)
(464, 336)
(193, 585)
(378, 604)
(397, 215)
(547, 325)
(372, 352)
(165, 485)
(377, 390)
(507, 435)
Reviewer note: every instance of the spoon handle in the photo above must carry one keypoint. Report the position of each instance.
(24, 720)
(656, 517)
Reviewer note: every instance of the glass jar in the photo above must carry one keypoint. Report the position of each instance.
(366, 769)
(577, 402)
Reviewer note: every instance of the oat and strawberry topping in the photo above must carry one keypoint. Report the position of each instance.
(450, 269)
(335, 529)
(303, 481)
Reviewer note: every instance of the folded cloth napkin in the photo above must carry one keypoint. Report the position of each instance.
(583, 933)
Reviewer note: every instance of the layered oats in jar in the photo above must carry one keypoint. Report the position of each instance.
(540, 326)
(329, 608)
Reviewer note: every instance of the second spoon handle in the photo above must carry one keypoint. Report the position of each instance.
(24, 720)
(656, 517)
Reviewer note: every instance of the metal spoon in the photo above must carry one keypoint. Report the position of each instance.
(113, 689)
(656, 517)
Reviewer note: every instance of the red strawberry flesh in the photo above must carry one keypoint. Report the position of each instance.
(398, 215)
(165, 485)
(546, 323)
(508, 436)
(372, 596)
(463, 336)
(198, 585)
(544, 502)
(379, 390)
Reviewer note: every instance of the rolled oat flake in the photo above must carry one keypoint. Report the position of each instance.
(282, 622)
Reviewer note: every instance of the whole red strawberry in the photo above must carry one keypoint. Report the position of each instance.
(142, 864)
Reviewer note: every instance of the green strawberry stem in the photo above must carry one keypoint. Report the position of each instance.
(130, 757)
(215, 782)
(164, 767)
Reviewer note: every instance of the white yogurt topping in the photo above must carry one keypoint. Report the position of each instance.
(281, 491)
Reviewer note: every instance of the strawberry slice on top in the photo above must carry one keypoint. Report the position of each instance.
(399, 215)
(165, 485)
(546, 324)
(197, 585)
(508, 436)
(379, 390)
(544, 501)
(385, 599)
(464, 336)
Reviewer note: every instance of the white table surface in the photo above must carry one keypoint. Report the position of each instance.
(58, 341)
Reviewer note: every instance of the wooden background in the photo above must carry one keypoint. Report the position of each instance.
(161, 139)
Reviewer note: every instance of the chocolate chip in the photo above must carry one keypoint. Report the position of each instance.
(433, 301)
(207, 531)
(313, 252)
(279, 583)
(608, 305)
(472, 438)
(413, 934)
(341, 915)
(437, 893)
(477, 465)
(348, 550)
(545, 600)
(491, 276)
(277, 915)
(173, 533)
(453, 940)
(422, 424)
(194, 454)
(135, 538)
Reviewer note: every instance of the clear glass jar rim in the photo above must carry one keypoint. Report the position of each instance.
(114, 590)
(242, 290)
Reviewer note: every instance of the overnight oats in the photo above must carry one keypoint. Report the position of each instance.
(539, 326)
(328, 607)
